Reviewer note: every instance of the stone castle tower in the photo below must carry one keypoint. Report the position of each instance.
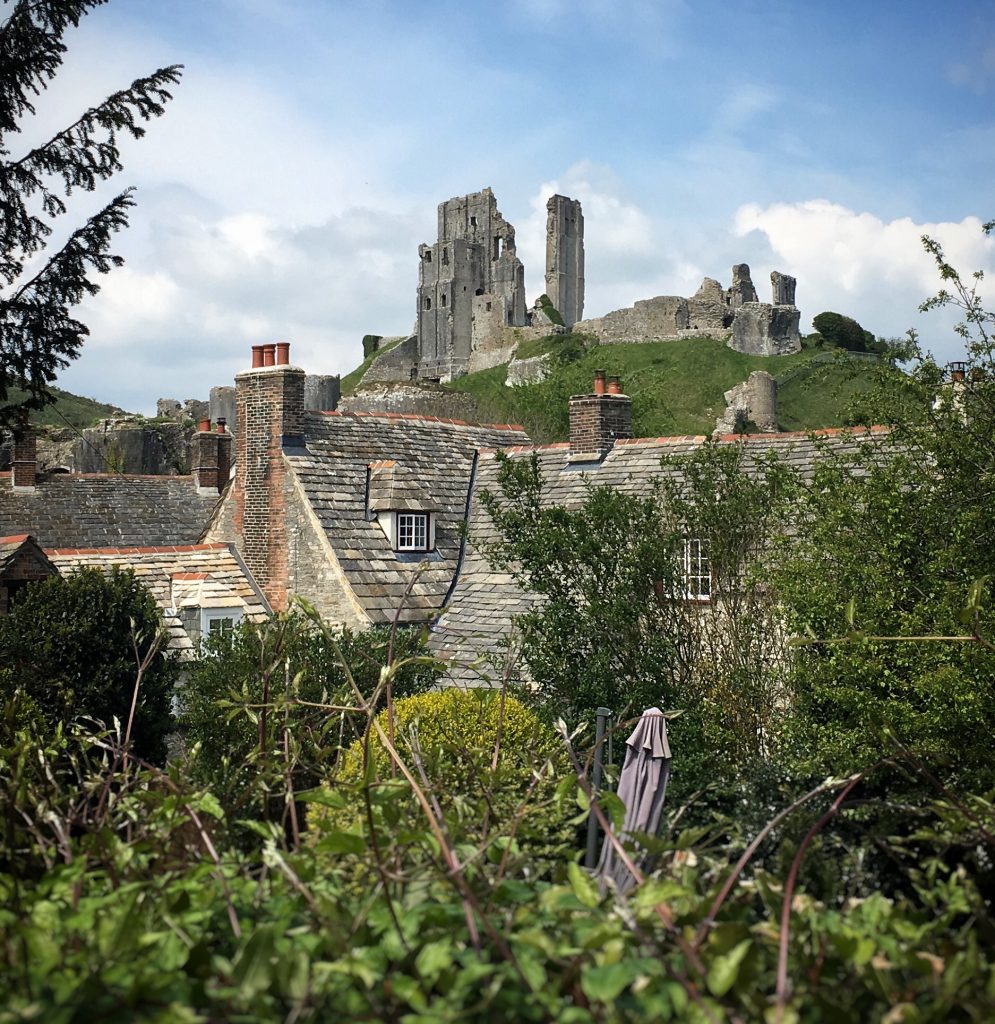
(565, 258)
(470, 284)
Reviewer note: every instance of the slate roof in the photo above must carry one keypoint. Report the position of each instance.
(415, 463)
(476, 627)
(181, 578)
(106, 509)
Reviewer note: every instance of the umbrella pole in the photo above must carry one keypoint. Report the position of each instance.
(591, 857)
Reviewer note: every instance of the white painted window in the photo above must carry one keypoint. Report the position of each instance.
(412, 531)
(219, 620)
(696, 571)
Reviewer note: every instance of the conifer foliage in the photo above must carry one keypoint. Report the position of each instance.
(38, 334)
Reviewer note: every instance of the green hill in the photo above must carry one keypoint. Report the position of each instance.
(677, 387)
(70, 409)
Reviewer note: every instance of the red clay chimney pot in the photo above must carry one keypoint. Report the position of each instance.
(257, 356)
(614, 386)
(205, 426)
(283, 353)
(269, 355)
(599, 382)
(222, 423)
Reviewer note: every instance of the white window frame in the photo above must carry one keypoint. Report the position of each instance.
(211, 615)
(696, 570)
(420, 526)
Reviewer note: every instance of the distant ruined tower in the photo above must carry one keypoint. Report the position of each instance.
(565, 258)
(470, 284)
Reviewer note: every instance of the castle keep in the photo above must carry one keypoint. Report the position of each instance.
(471, 283)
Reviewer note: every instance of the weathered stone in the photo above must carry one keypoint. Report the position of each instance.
(399, 363)
(321, 392)
(754, 400)
(708, 308)
(168, 408)
(412, 397)
(528, 371)
(783, 287)
(565, 258)
(762, 330)
(221, 406)
(662, 318)
(469, 282)
(741, 290)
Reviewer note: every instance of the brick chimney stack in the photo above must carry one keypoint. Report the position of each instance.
(25, 458)
(269, 402)
(600, 419)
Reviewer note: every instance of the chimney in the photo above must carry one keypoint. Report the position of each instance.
(25, 457)
(269, 413)
(598, 420)
(204, 459)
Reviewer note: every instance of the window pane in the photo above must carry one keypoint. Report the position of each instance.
(412, 531)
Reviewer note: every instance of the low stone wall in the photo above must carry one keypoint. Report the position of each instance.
(424, 399)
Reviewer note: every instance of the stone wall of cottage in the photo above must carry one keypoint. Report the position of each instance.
(312, 567)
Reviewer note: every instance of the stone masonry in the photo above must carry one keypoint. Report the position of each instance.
(470, 282)
(270, 411)
(565, 258)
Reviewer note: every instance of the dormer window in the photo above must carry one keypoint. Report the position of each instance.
(412, 531)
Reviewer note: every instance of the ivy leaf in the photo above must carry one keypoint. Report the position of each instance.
(584, 889)
(723, 970)
(605, 983)
(252, 971)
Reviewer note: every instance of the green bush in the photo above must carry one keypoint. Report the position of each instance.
(488, 760)
(296, 669)
(73, 645)
(842, 331)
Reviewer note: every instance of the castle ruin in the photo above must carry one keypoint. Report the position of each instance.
(565, 258)
(471, 283)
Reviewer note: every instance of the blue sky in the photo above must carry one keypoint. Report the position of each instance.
(284, 193)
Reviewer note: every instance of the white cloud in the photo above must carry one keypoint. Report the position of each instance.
(874, 270)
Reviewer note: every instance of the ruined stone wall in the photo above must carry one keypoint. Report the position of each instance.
(425, 399)
(763, 330)
(529, 371)
(565, 257)
(659, 319)
(399, 363)
(783, 288)
(159, 450)
(754, 400)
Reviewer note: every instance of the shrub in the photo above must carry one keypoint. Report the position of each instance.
(294, 668)
(842, 331)
(73, 645)
(488, 760)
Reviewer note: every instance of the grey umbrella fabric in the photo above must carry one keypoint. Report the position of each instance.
(642, 787)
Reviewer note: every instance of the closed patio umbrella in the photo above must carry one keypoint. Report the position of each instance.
(642, 787)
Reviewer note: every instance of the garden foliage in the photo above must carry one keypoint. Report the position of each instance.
(72, 645)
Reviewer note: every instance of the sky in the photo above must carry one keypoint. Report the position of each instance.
(283, 195)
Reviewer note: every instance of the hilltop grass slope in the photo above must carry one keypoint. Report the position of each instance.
(677, 387)
(68, 409)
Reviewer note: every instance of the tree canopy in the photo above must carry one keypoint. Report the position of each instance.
(38, 287)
